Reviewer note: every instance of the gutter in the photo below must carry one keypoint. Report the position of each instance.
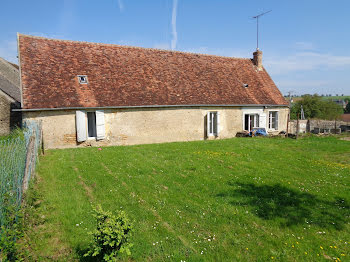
(149, 106)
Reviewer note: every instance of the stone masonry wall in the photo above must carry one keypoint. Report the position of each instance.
(5, 110)
(142, 126)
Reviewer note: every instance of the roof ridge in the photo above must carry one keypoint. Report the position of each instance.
(127, 46)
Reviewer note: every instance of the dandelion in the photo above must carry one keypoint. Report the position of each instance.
(321, 247)
(246, 248)
(272, 257)
(305, 253)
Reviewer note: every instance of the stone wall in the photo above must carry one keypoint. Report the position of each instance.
(143, 126)
(318, 126)
(303, 126)
(8, 118)
(5, 110)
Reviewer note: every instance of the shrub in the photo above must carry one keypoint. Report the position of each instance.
(112, 235)
(11, 229)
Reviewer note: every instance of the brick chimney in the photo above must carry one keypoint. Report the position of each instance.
(257, 59)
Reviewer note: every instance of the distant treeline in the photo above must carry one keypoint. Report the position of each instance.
(315, 106)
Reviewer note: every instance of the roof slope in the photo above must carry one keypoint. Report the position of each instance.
(9, 89)
(9, 79)
(130, 76)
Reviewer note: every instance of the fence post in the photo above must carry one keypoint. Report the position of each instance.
(29, 163)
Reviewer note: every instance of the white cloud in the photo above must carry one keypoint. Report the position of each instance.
(121, 5)
(173, 25)
(305, 61)
(67, 16)
(164, 46)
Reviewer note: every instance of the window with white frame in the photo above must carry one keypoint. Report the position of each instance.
(251, 121)
(213, 123)
(90, 125)
(273, 120)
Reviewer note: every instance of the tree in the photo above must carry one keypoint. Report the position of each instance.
(347, 108)
(316, 107)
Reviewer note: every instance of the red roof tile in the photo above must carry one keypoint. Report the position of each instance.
(132, 76)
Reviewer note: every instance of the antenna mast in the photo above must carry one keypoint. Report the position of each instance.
(257, 27)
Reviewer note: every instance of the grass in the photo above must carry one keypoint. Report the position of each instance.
(17, 132)
(241, 199)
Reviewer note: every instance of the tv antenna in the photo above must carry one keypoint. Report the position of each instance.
(257, 27)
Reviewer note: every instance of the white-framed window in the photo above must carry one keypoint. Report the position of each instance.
(90, 125)
(82, 79)
(213, 123)
(273, 120)
(251, 121)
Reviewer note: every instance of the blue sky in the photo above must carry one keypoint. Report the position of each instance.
(306, 44)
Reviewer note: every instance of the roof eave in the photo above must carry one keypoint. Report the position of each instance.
(149, 106)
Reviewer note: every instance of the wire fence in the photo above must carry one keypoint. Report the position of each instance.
(18, 157)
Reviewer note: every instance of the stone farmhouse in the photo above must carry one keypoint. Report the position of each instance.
(10, 97)
(90, 94)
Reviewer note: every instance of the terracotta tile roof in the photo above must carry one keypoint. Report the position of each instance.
(345, 117)
(131, 76)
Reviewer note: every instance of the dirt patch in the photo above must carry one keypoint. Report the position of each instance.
(345, 138)
(107, 169)
(170, 229)
(88, 190)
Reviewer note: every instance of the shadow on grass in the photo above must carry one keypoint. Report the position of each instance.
(288, 206)
(82, 251)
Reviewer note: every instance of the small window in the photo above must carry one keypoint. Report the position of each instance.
(251, 121)
(213, 123)
(83, 79)
(273, 120)
(91, 119)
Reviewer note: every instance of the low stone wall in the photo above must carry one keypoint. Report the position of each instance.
(317, 126)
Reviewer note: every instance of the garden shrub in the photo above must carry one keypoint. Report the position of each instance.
(112, 235)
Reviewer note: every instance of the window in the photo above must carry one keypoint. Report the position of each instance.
(273, 120)
(83, 79)
(213, 123)
(91, 121)
(251, 121)
(90, 125)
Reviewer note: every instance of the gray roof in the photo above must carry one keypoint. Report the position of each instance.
(9, 79)
(10, 89)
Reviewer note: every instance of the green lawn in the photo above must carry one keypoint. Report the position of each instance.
(241, 199)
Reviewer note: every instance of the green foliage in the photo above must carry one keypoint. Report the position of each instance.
(316, 107)
(112, 235)
(11, 230)
(347, 108)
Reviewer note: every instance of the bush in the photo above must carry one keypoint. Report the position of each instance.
(112, 235)
(11, 229)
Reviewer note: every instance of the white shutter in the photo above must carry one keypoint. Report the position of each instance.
(276, 121)
(208, 124)
(218, 123)
(80, 120)
(100, 124)
(262, 120)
